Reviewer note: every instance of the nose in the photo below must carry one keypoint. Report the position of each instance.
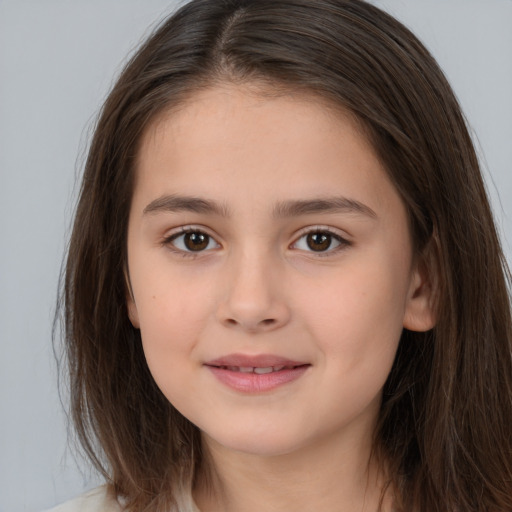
(254, 295)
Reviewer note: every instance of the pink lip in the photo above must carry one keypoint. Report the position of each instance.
(223, 369)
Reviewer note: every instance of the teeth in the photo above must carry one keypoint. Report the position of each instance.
(260, 371)
(252, 369)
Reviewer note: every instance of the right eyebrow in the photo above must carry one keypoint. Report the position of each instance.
(175, 203)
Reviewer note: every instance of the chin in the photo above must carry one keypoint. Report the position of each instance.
(259, 443)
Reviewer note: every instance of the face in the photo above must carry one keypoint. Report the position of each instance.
(271, 269)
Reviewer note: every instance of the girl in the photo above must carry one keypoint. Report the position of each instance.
(284, 288)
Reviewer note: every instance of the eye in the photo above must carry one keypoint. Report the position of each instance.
(320, 241)
(191, 240)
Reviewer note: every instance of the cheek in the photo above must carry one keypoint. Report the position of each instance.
(171, 323)
(357, 323)
(170, 320)
(357, 314)
(166, 297)
(173, 312)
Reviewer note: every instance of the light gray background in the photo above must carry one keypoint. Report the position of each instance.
(57, 62)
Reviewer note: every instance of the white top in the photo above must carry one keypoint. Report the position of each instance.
(96, 500)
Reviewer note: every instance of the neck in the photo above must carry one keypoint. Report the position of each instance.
(332, 477)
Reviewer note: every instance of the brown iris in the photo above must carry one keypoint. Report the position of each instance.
(196, 241)
(319, 241)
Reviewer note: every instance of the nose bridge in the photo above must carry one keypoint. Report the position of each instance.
(254, 299)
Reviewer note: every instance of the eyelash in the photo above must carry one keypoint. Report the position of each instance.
(342, 242)
(168, 241)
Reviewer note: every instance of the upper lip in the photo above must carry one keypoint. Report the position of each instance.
(255, 361)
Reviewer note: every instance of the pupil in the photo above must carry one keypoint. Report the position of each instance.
(196, 241)
(318, 241)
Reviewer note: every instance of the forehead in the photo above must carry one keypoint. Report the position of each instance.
(284, 142)
(263, 104)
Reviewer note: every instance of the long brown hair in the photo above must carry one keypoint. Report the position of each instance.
(444, 428)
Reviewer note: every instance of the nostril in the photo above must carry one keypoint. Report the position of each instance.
(267, 322)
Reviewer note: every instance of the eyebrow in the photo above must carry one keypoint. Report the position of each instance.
(293, 208)
(175, 203)
(322, 205)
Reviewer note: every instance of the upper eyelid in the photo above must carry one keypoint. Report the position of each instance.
(181, 230)
(343, 235)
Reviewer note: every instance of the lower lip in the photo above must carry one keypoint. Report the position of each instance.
(257, 383)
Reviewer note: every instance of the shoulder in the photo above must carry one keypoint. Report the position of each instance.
(97, 500)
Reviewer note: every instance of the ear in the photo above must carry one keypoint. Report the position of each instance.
(133, 314)
(420, 308)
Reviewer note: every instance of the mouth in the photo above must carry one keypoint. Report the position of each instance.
(256, 374)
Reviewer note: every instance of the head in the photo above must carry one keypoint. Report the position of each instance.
(363, 66)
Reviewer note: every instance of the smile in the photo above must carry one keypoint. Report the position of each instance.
(256, 374)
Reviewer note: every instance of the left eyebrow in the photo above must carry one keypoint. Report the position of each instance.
(325, 205)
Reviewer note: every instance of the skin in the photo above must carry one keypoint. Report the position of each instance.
(259, 288)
